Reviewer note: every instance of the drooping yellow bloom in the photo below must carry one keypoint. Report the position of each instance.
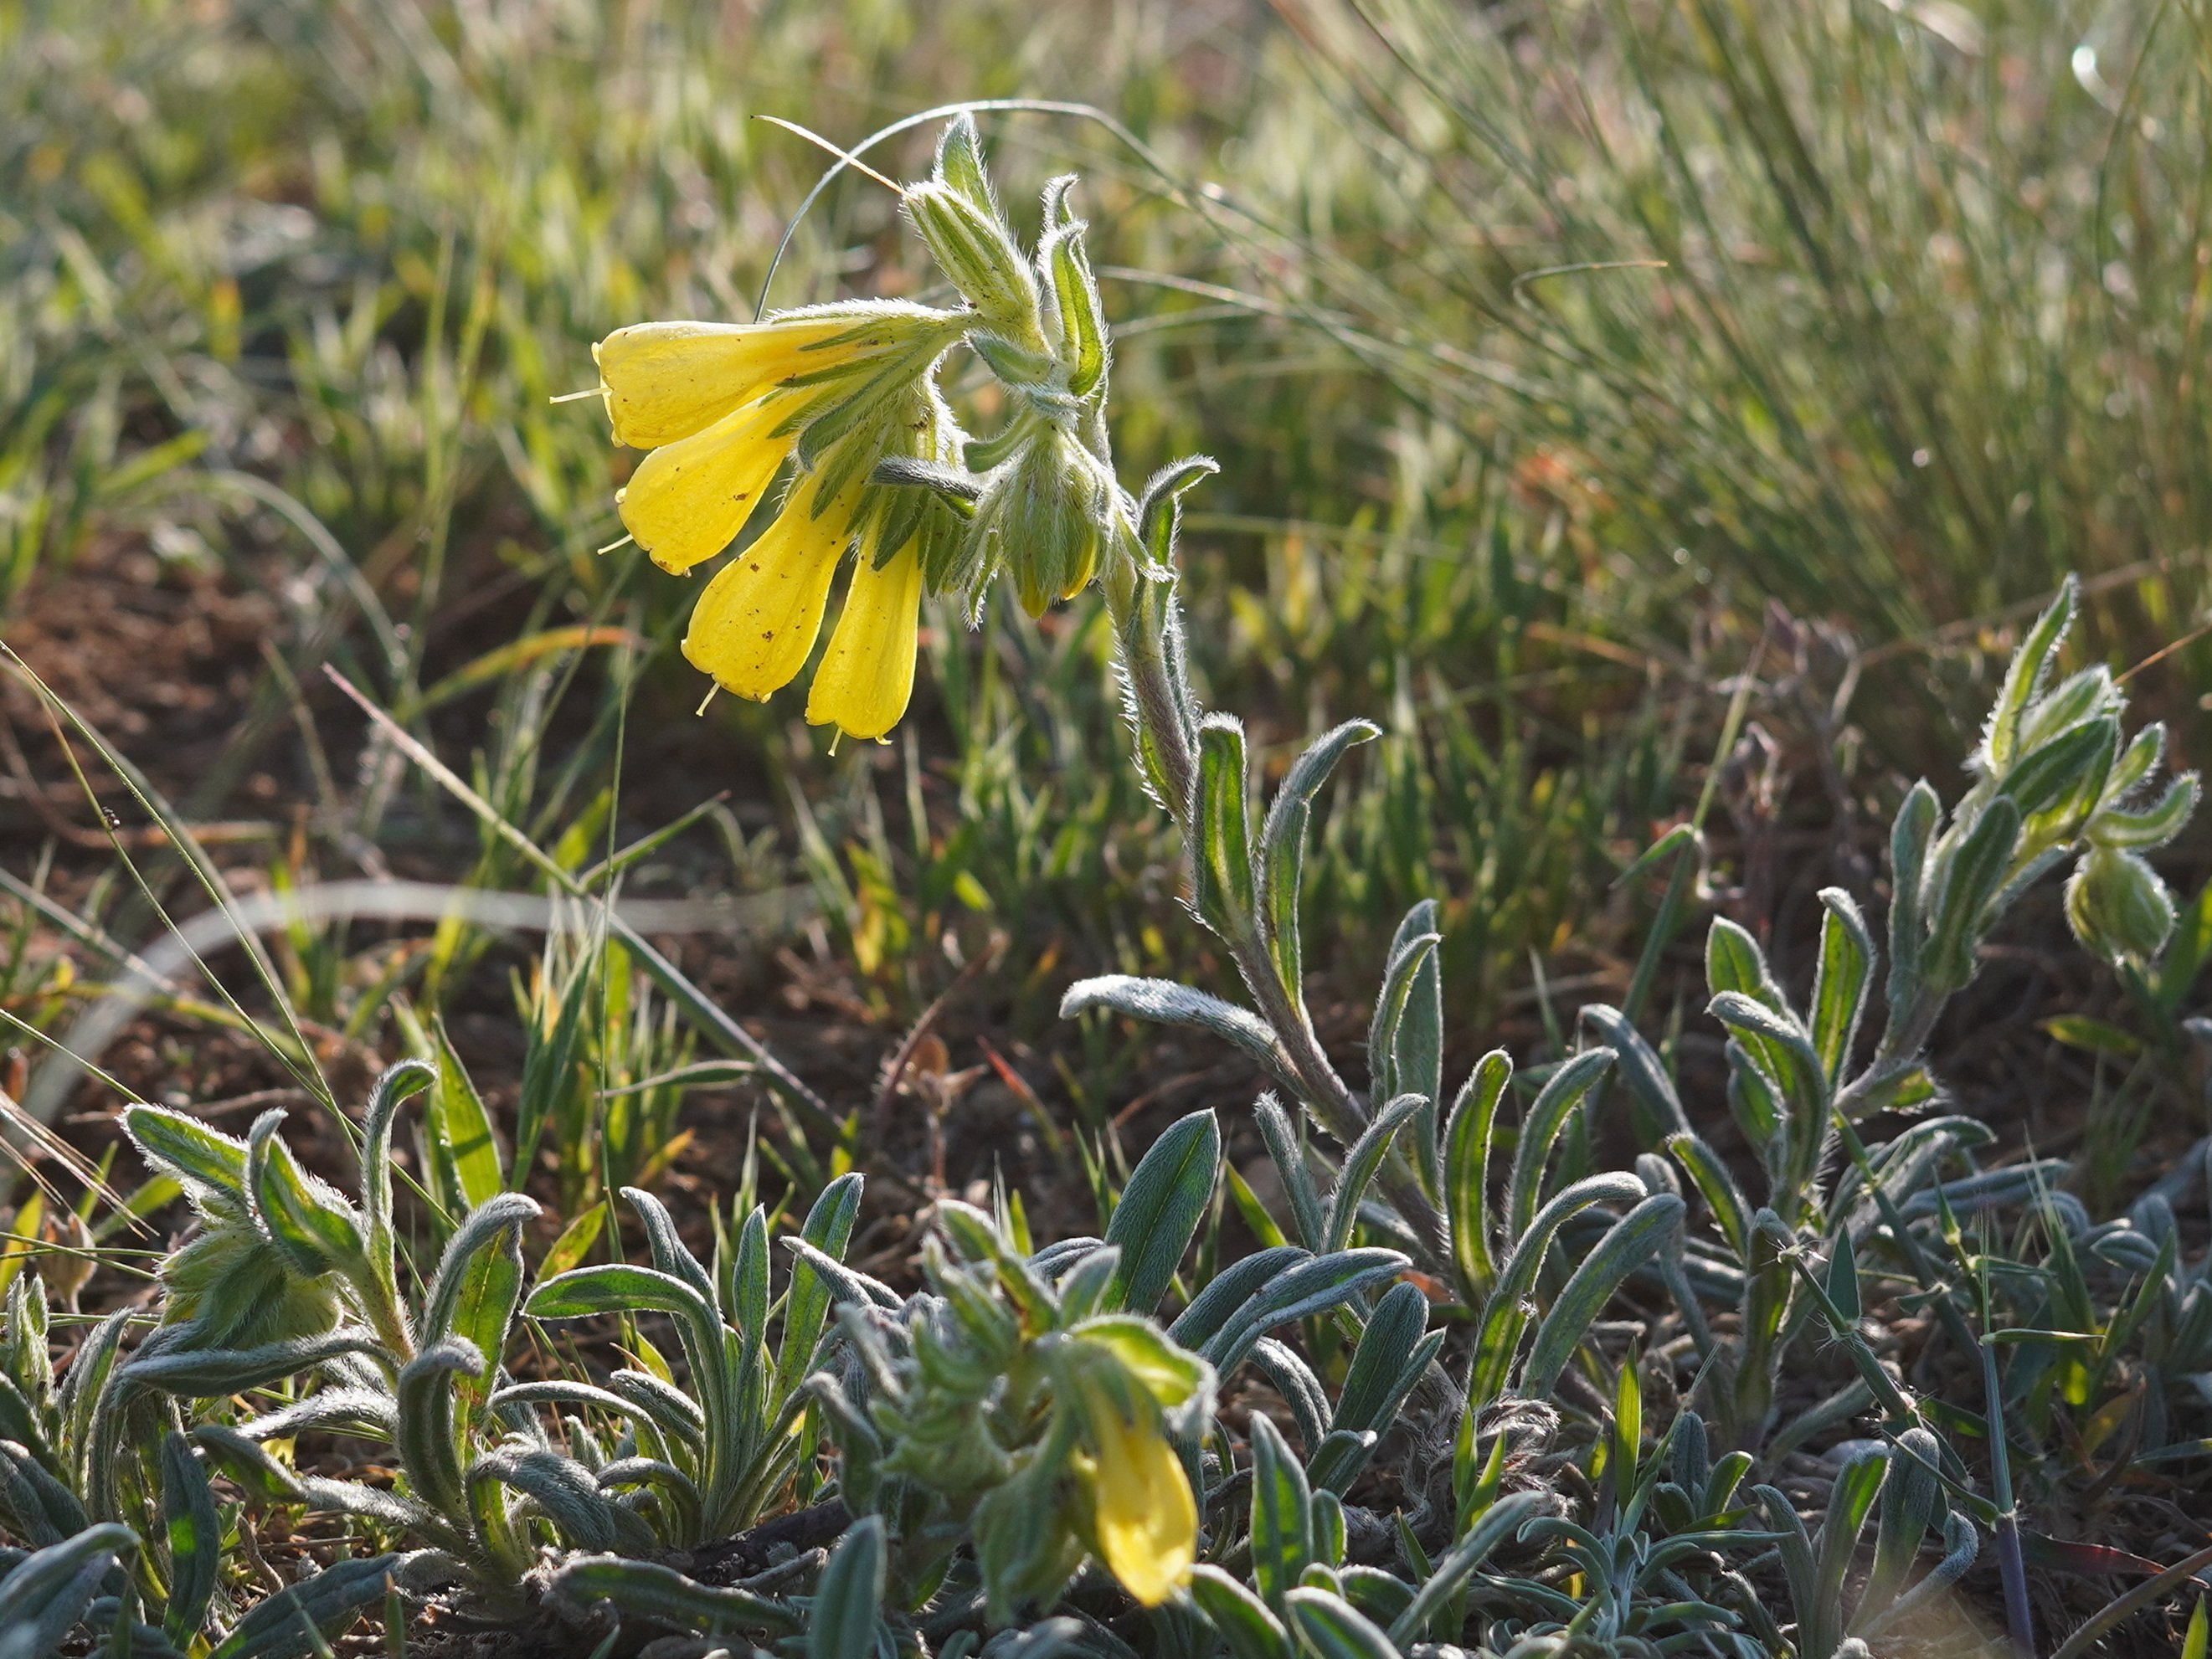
(1146, 1521)
(663, 381)
(756, 622)
(688, 500)
(867, 675)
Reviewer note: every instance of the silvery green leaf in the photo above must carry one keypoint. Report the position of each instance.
(2024, 679)
(1286, 1150)
(1335, 1629)
(1912, 1498)
(1409, 955)
(2071, 766)
(1467, 1135)
(1325, 1281)
(1338, 1460)
(1962, 1548)
(1227, 1294)
(393, 1087)
(388, 1509)
(1160, 504)
(1245, 1622)
(47, 1593)
(1377, 1595)
(41, 1510)
(305, 1617)
(1566, 1088)
(370, 1412)
(1083, 1288)
(429, 1436)
(1909, 837)
(848, 1603)
(1734, 962)
(1634, 1241)
(479, 1278)
(1655, 1107)
(2083, 695)
(193, 1526)
(1500, 1521)
(1717, 1183)
(1328, 1529)
(828, 1229)
(1394, 1330)
(1293, 1378)
(1516, 1278)
(674, 1492)
(211, 1373)
(1417, 1053)
(1159, 1211)
(846, 1283)
(246, 1464)
(1224, 878)
(562, 1392)
(746, 1288)
(1778, 1039)
(315, 1229)
(565, 1491)
(670, 1254)
(1283, 840)
(1282, 1521)
(1360, 1164)
(1844, 978)
(210, 1164)
(2129, 830)
(1164, 1002)
(1958, 907)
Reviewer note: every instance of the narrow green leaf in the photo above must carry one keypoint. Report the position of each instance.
(1335, 1629)
(1360, 1164)
(1540, 1127)
(1224, 878)
(1467, 1135)
(1633, 1242)
(1241, 1620)
(1282, 1520)
(1283, 839)
(194, 1527)
(848, 1602)
(1159, 1211)
(1840, 986)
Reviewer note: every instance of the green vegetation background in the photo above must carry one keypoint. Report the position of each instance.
(1564, 362)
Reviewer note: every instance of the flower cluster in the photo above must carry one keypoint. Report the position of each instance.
(843, 400)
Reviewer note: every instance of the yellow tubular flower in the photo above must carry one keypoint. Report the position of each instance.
(1146, 1521)
(688, 500)
(663, 381)
(755, 625)
(867, 674)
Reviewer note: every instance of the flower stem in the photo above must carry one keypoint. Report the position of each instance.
(1166, 717)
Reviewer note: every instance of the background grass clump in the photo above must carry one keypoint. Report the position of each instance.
(1650, 415)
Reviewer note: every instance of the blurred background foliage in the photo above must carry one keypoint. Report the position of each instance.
(1573, 367)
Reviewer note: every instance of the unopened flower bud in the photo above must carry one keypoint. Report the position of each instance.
(975, 251)
(2117, 906)
(1049, 514)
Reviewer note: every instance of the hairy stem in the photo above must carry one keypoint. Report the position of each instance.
(1162, 704)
